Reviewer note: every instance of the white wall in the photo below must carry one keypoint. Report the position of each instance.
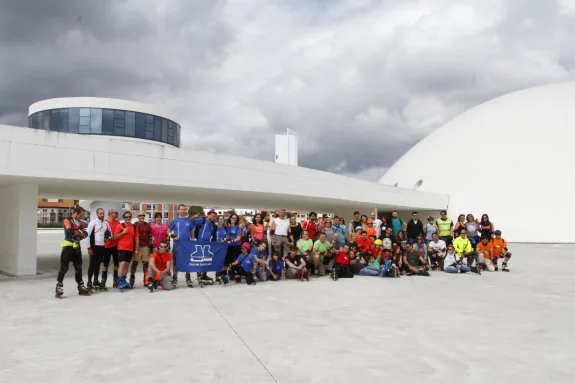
(102, 168)
(511, 157)
(18, 247)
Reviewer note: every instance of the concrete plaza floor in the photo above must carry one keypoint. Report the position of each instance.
(497, 327)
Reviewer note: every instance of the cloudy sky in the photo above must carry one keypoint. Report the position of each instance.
(360, 80)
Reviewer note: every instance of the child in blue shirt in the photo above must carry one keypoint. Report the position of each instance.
(276, 269)
(244, 266)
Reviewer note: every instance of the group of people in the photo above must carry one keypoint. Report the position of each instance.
(317, 246)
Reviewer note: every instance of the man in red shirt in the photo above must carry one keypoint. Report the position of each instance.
(125, 235)
(311, 226)
(144, 239)
(159, 270)
(111, 246)
(342, 269)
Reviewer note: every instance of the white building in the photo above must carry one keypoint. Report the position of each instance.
(512, 158)
(286, 148)
(98, 149)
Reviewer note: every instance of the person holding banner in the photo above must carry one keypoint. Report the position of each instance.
(244, 266)
(206, 232)
(159, 268)
(180, 229)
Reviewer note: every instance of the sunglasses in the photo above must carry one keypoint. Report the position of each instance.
(163, 247)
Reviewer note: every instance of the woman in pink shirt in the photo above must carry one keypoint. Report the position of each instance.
(257, 229)
(159, 231)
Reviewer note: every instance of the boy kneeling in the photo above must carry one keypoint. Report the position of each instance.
(159, 268)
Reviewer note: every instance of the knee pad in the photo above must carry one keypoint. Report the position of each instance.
(508, 255)
(491, 268)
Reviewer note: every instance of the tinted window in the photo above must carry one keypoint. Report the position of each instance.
(130, 124)
(157, 128)
(164, 130)
(64, 120)
(74, 114)
(95, 121)
(54, 119)
(107, 121)
(140, 125)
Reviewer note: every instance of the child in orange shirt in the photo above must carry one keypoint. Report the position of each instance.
(499, 250)
(159, 268)
(484, 255)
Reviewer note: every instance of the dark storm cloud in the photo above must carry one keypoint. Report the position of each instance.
(360, 81)
(104, 48)
(37, 22)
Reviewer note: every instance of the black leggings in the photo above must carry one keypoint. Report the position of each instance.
(238, 270)
(69, 254)
(95, 260)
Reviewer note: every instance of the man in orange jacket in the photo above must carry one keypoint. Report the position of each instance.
(499, 250)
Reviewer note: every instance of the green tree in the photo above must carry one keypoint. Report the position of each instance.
(193, 210)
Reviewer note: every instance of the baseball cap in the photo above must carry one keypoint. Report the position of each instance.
(246, 245)
(378, 242)
(358, 228)
(369, 221)
(212, 211)
(497, 232)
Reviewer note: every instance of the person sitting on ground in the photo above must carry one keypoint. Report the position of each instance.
(372, 267)
(342, 264)
(354, 261)
(436, 251)
(244, 266)
(304, 247)
(413, 263)
(500, 250)
(261, 254)
(463, 249)
(420, 246)
(295, 265)
(453, 263)
(484, 251)
(397, 258)
(320, 248)
(159, 268)
(276, 268)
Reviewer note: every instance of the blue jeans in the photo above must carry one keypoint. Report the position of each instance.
(371, 271)
(463, 268)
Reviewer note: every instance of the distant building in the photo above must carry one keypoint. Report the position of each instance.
(286, 148)
(52, 211)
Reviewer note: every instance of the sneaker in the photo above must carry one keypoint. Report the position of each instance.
(505, 268)
(151, 286)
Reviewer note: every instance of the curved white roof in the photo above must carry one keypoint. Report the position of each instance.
(512, 157)
(104, 103)
(105, 168)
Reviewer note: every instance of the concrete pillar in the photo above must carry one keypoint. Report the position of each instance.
(18, 249)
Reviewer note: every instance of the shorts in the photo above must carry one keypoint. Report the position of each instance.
(125, 255)
(143, 254)
(111, 252)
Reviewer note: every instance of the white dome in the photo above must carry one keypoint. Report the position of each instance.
(511, 157)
